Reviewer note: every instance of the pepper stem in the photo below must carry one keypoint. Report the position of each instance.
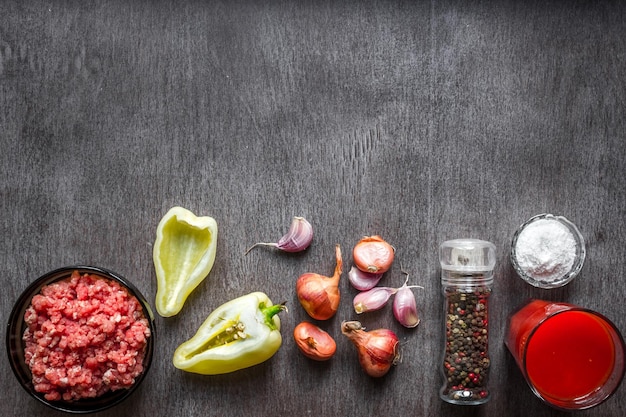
(271, 311)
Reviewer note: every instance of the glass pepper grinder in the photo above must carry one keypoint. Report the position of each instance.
(466, 278)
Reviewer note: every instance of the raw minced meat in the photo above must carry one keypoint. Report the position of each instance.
(85, 336)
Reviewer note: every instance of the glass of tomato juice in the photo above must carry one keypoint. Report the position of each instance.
(571, 357)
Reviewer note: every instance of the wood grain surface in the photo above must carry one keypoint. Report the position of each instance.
(419, 121)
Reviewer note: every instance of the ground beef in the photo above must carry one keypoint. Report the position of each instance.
(85, 336)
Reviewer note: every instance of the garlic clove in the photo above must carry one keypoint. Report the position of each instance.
(297, 238)
(363, 281)
(405, 307)
(373, 299)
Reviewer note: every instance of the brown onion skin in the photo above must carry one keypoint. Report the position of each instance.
(318, 294)
(313, 342)
(378, 349)
(373, 254)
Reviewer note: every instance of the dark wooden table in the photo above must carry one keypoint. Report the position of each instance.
(418, 121)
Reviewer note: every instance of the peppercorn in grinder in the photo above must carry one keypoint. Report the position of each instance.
(466, 278)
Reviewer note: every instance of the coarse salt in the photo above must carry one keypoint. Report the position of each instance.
(545, 250)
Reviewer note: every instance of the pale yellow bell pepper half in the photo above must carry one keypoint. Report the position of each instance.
(183, 253)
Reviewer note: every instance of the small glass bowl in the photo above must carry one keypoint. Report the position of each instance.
(15, 344)
(567, 276)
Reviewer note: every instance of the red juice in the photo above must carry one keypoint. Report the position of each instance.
(572, 358)
(570, 355)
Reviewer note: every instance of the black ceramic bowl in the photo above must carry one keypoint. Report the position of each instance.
(15, 344)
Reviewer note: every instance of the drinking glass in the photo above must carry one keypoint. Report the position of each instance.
(571, 357)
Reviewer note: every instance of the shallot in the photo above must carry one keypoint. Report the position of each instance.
(377, 349)
(373, 254)
(313, 342)
(318, 294)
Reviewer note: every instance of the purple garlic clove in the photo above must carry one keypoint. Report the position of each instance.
(361, 280)
(405, 306)
(373, 299)
(297, 238)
